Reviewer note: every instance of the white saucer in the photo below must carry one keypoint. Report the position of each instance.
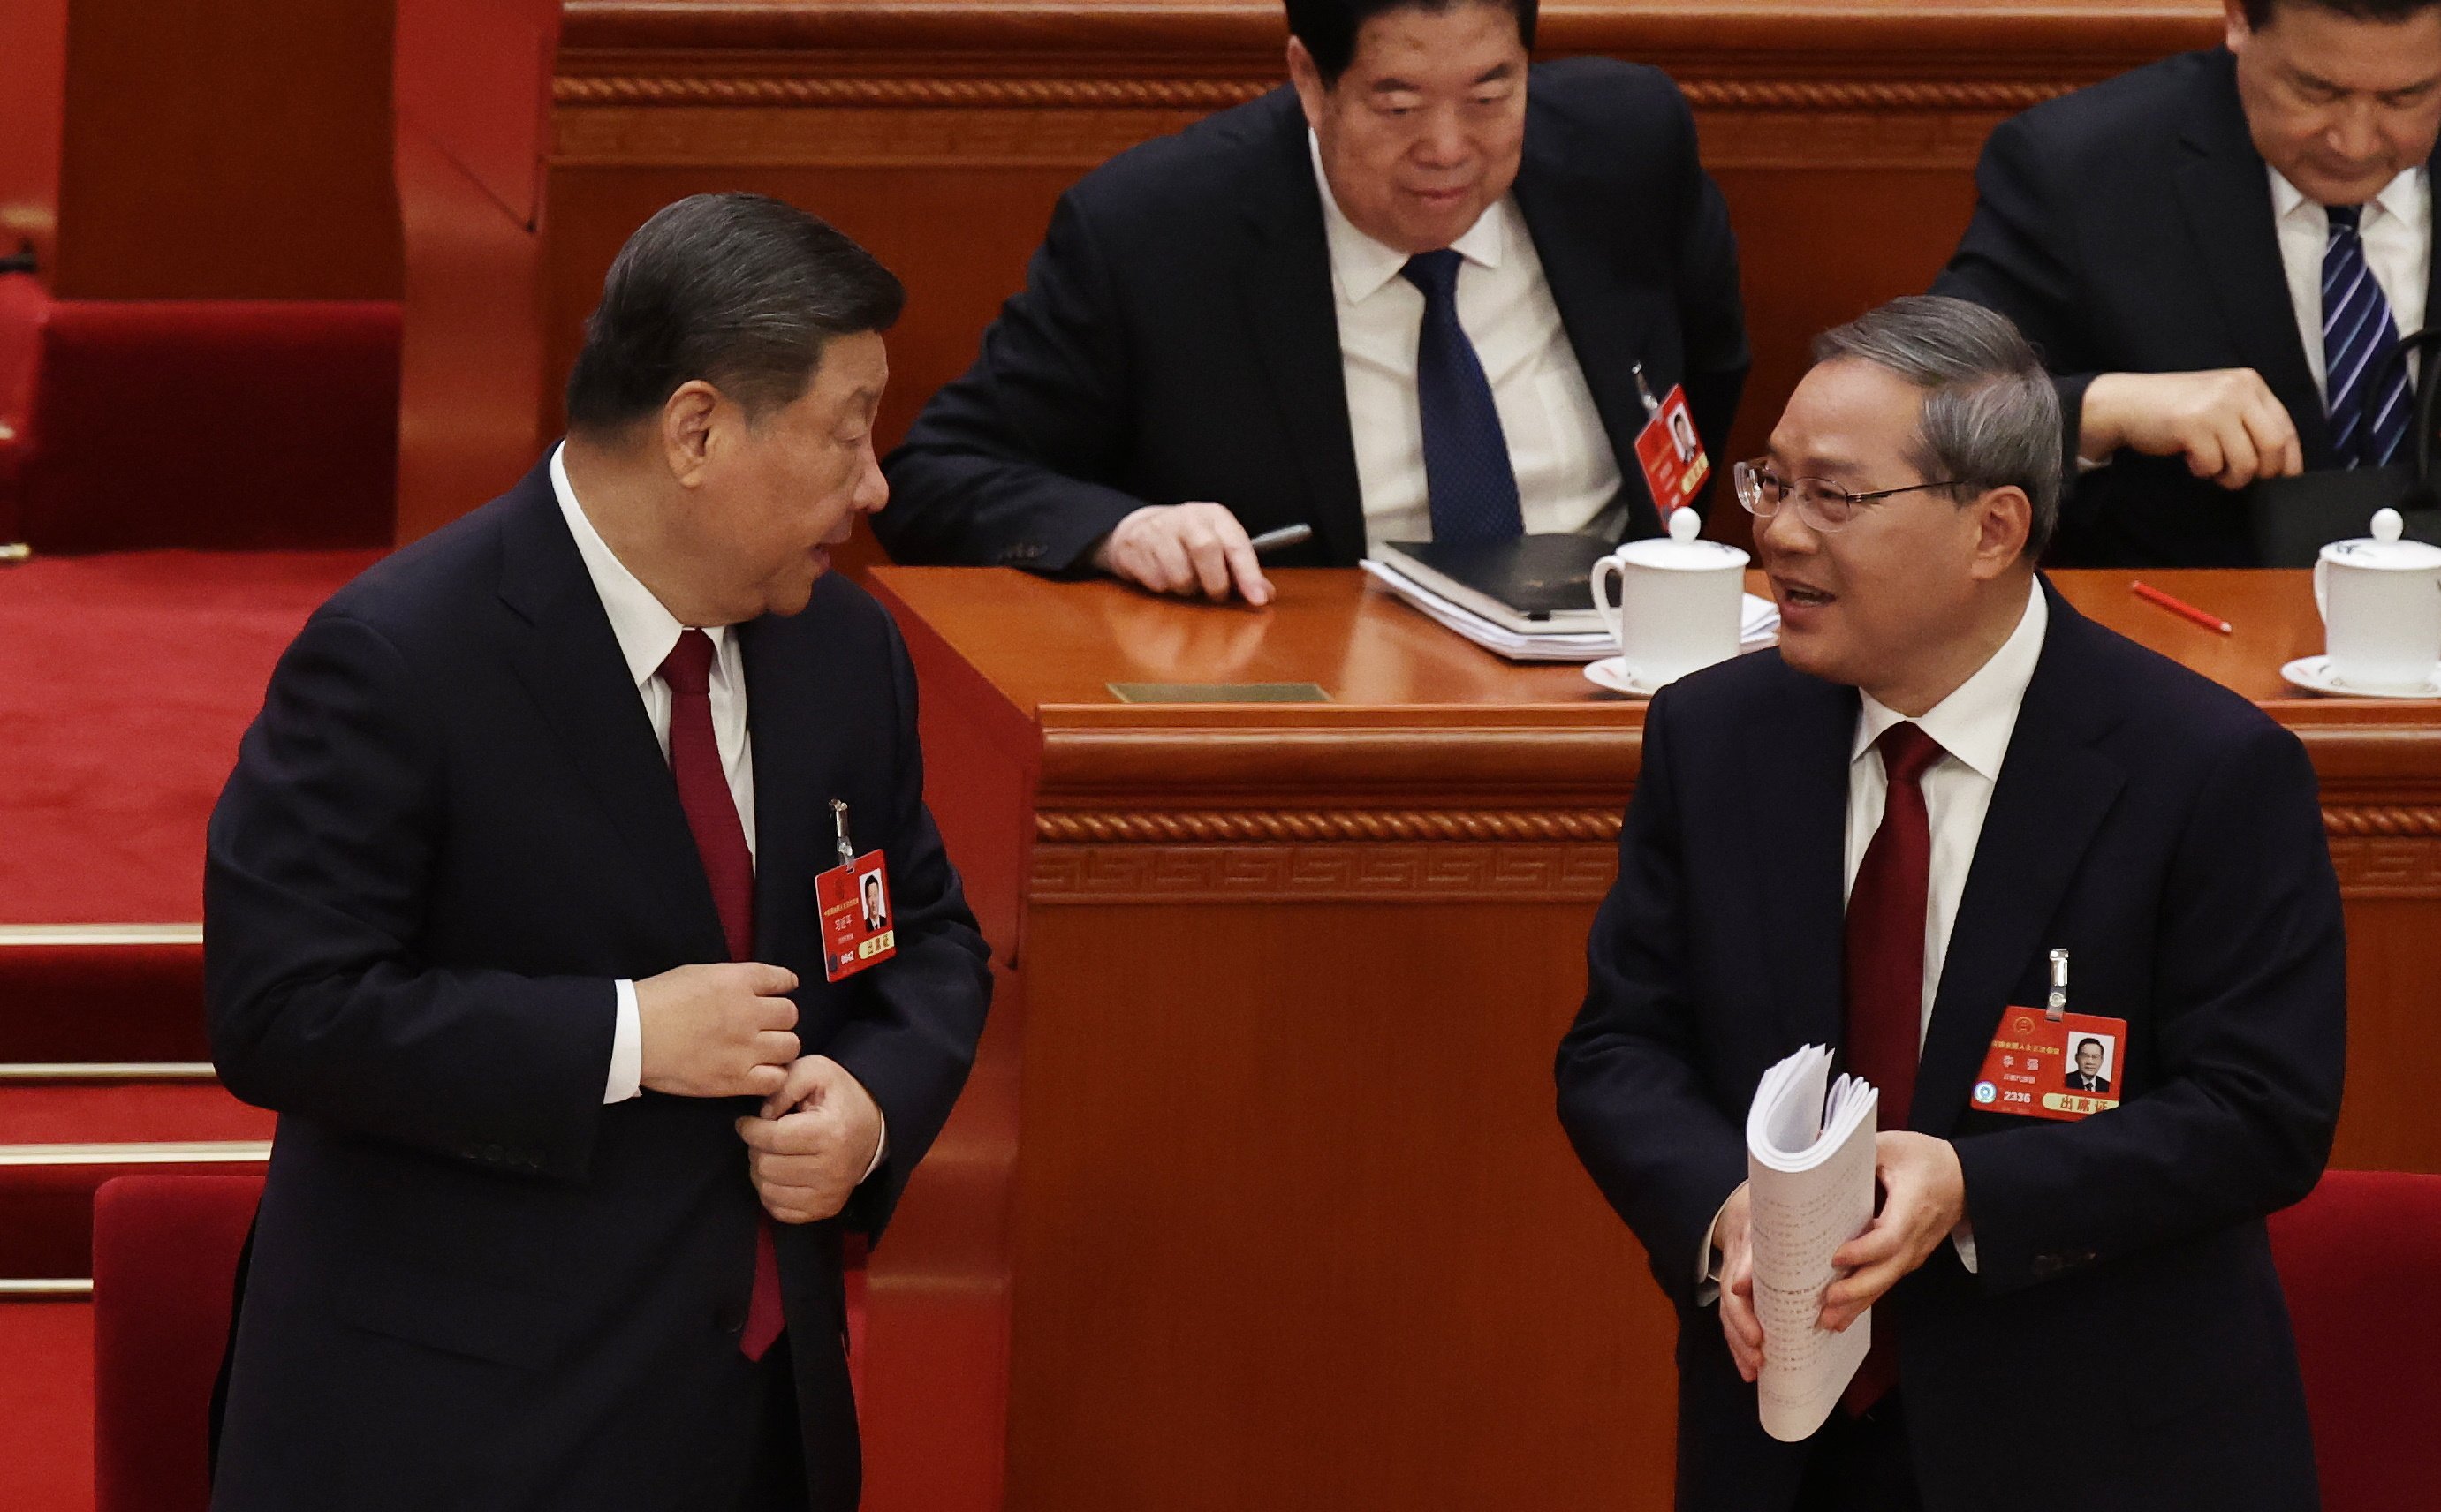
(2313, 673)
(1613, 674)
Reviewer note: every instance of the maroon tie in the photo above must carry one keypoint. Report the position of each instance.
(729, 866)
(1885, 970)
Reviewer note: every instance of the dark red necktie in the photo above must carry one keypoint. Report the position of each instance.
(729, 866)
(1885, 980)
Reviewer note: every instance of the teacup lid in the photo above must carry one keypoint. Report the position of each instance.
(2383, 550)
(1680, 551)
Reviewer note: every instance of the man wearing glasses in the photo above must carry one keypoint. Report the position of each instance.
(1873, 837)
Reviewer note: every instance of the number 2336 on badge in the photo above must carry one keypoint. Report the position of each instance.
(859, 925)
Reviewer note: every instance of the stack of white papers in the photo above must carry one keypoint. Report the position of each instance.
(1759, 628)
(1810, 1190)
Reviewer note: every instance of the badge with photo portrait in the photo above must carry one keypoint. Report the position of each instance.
(858, 927)
(2040, 1067)
(1672, 457)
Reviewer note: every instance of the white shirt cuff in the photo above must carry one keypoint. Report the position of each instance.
(1707, 1264)
(881, 1150)
(626, 1049)
(1964, 1238)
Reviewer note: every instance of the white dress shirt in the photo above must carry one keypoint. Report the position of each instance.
(647, 633)
(1567, 476)
(2396, 230)
(1973, 726)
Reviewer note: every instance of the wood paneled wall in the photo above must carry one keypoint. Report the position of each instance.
(1843, 132)
(199, 150)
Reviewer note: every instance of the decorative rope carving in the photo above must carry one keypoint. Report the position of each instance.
(1106, 93)
(2381, 823)
(1215, 94)
(1234, 827)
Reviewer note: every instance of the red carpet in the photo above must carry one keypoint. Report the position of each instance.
(47, 1405)
(125, 682)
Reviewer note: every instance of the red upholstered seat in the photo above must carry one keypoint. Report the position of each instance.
(209, 423)
(165, 1252)
(2360, 1261)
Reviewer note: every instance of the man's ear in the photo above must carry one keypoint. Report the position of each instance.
(687, 418)
(2004, 520)
(2235, 30)
(1307, 79)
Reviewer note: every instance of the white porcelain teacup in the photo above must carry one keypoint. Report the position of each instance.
(1680, 602)
(2380, 602)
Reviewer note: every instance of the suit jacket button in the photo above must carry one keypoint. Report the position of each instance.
(2045, 1267)
(730, 1320)
(492, 1152)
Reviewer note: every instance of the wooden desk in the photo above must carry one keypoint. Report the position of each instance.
(1257, 1198)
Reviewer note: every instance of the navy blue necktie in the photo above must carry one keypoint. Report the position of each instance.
(2366, 382)
(1466, 457)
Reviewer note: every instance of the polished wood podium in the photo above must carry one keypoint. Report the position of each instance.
(1257, 1198)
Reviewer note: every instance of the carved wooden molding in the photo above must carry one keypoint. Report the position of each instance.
(1262, 826)
(2382, 824)
(1408, 871)
(1877, 96)
(1104, 93)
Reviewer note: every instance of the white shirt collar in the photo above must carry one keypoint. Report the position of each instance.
(1975, 722)
(647, 631)
(1363, 267)
(2403, 197)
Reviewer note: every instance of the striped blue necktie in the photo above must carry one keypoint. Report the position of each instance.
(1467, 473)
(2366, 382)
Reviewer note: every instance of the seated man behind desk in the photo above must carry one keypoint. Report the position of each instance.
(2216, 255)
(1872, 838)
(1252, 324)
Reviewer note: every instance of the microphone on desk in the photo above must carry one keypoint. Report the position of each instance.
(1281, 539)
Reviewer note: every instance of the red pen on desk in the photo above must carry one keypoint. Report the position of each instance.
(2183, 610)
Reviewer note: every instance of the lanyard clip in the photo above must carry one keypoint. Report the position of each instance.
(1644, 393)
(839, 822)
(2056, 1004)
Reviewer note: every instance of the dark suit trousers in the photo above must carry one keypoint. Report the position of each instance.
(1860, 1464)
(775, 1475)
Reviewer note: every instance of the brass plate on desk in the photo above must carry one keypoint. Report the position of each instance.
(1217, 693)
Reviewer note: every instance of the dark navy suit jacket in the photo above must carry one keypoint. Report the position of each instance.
(2127, 227)
(2169, 835)
(1178, 338)
(451, 829)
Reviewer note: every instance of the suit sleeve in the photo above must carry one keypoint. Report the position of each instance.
(1009, 465)
(2251, 996)
(1711, 308)
(317, 864)
(920, 1015)
(1630, 1097)
(2016, 257)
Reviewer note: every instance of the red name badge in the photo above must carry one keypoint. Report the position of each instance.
(859, 929)
(1673, 461)
(2065, 1068)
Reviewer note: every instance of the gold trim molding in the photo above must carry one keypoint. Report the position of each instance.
(1231, 826)
(158, 1152)
(1817, 96)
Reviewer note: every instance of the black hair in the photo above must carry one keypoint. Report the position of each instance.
(1329, 27)
(739, 289)
(2259, 13)
(2095, 1043)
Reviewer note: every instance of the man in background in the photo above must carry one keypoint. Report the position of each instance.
(2218, 256)
(1404, 299)
(510, 913)
(1873, 837)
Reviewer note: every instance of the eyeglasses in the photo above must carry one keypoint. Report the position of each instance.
(1821, 503)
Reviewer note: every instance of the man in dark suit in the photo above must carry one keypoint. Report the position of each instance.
(2088, 1075)
(1402, 299)
(510, 912)
(2217, 256)
(1872, 838)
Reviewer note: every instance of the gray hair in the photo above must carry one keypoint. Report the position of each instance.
(1991, 417)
